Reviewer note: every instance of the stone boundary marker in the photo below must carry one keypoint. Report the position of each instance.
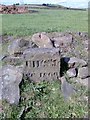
(42, 64)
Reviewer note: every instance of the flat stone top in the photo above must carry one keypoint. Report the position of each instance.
(41, 51)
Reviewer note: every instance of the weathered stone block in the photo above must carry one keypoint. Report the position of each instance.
(42, 64)
(10, 78)
(83, 72)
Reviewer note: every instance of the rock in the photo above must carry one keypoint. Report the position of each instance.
(62, 40)
(83, 72)
(75, 62)
(32, 45)
(84, 81)
(23, 43)
(66, 88)
(13, 47)
(13, 60)
(6, 39)
(17, 46)
(42, 40)
(72, 72)
(10, 78)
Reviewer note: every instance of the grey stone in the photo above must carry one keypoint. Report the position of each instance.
(75, 62)
(81, 81)
(84, 81)
(23, 43)
(12, 60)
(62, 40)
(67, 89)
(32, 45)
(71, 72)
(18, 45)
(42, 40)
(83, 72)
(10, 78)
(13, 47)
(42, 64)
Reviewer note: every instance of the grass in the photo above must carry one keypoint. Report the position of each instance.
(45, 20)
(44, 99)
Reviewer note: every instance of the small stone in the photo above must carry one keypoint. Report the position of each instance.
(83, 72)
(62, 41)
(42, 40)
(18, 46)
(75, 62)
(71, 72)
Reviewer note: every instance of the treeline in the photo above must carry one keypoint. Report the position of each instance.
(54, 6)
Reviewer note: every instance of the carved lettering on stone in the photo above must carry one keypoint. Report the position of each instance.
(42, 63)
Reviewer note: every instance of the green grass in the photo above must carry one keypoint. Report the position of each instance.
(45, 20)
(45, 100)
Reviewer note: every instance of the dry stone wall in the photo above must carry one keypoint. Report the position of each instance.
(43, 57)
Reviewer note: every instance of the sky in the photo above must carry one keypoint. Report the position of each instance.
(68, 3)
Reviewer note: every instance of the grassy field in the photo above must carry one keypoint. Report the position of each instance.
(45, 100)
(45, 20)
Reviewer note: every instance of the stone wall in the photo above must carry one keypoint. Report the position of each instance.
(44, 57)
